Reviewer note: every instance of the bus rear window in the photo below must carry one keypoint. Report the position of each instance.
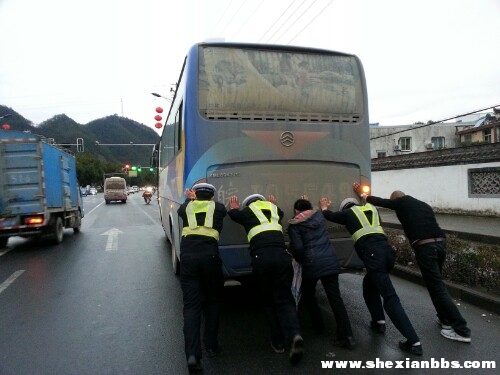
(236, 83)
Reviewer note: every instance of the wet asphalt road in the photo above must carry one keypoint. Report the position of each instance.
(106, 301)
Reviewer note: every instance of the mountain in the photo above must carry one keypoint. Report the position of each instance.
(113, 139)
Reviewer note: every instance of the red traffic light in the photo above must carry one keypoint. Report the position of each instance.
(158, 125)
(158, 118)
(159, 109)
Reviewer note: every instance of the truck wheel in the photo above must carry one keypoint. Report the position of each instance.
(78, 223)
(3, 241)
(58, 231)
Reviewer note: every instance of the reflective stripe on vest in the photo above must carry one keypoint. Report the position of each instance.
(195, 207)
(265, 224)
(366, 226)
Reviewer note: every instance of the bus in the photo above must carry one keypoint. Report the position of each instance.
(267, 119)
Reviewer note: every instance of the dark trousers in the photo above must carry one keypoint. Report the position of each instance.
(379, 260)
(331, 286)
(202, 286)
(273, 270)
(430, 259)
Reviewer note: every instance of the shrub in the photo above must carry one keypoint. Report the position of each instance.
(472, 264)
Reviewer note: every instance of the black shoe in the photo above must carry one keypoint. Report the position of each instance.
(297, 349)
(377, 327)
(412, 348)
(213, 352)
(347, 343)
(194, 364)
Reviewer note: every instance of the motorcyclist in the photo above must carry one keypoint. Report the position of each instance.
(147, 195)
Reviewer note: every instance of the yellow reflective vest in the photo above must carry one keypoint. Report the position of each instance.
(367, 227)
(195, 207)
(265, 224)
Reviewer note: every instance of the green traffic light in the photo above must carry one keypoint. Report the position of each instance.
(134, 168)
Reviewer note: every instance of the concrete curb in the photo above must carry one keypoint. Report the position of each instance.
(474, 297)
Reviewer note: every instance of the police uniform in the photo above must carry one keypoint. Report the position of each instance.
(373, 248)
(201, 272)
(272, 266)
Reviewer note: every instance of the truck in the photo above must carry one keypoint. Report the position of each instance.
(39, 190)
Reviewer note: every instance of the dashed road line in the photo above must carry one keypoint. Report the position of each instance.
(10, 280)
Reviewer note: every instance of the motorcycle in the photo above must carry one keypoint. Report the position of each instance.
(147, 198)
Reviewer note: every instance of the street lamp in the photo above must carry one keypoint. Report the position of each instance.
(161, 96)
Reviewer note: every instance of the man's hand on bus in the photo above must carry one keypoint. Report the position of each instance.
(359, 190)
(272, 199)
(190, 194)
(233, 202)
(324, 203)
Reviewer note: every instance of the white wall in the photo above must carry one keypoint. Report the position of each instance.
(445, 188)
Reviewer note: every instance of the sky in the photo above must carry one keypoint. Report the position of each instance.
(423, 60)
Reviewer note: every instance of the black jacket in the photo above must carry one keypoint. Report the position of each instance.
(311, 246)
(197, 243)
(247, 218)
(351, 222)
(416, 217)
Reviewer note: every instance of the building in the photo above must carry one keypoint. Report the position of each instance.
(407, 139)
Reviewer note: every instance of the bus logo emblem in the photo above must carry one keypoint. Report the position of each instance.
(287, 139)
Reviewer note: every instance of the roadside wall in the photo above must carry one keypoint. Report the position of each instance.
(462, 180)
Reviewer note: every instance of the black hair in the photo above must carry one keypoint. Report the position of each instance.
(302, 205)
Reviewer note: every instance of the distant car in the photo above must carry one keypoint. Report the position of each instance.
(84, 192)
(93, 191)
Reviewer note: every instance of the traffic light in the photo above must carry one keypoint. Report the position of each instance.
(126, 168)
(139, 168)
(134, 168)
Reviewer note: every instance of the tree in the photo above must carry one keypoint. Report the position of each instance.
(89, 169)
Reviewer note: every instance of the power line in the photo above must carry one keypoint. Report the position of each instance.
(232, 17)
(436, 122)
(275, 22)
(248, 18)
(279, 28)
(306, 26)
(294, 22)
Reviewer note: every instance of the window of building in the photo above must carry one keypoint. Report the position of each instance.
(381, 154)
(437, 142)
(405, 143)
(487, 135)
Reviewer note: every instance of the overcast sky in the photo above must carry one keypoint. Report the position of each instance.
(423, 60)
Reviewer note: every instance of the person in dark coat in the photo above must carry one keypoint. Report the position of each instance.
(311, 247)
(378, 256)
(429, 244)
(272, 267)
(201, 277)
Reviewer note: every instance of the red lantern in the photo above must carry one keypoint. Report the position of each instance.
(5, 126)
(158, 118)
(159, 109)
(158, 125)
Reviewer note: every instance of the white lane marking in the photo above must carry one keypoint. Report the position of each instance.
(112, 243)
(92, 210)
(4, 252)
(10, 280)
